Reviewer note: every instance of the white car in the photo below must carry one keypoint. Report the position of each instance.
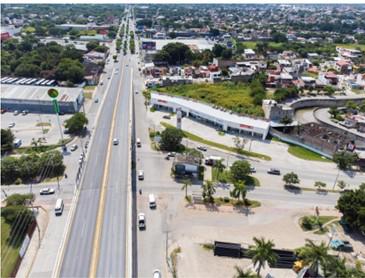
(115, 141)
(46, 191)
(141, 221)
(140, 175)
(202, 148)
(73, 147)
(11, 125)
(156, 273)
(16, 112)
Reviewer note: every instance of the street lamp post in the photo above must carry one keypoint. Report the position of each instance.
(53, 94)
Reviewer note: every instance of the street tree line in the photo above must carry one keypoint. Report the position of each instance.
(28, 168)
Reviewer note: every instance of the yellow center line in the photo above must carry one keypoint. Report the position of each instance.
(104, 185)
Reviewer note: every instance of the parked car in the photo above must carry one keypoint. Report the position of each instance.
(274, 171)
(11, 125)
(25, 112)
(73, 147)
(202, 148)
(168, 117)
(3, 111)
(115, 141)
(47, 191)
(141, 221)
(171, 154)
(341, 245)
(16, 112)
(253, 170)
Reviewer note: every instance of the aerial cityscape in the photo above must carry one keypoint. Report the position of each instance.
(183, 140)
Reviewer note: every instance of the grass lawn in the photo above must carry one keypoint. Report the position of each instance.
(196, 138)
(9, 254)
(235, 97)
(305, 154)
(252, 44)
(225, 175)
(310, 74)
(39, 149)
(43, 124)
(311, 223)
(352, 46)
(225, 201)
(89, 88)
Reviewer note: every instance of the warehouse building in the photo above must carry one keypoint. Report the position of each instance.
(207, 114)
(36, 100)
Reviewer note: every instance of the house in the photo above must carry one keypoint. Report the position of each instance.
(249, 54)
(5, 36)
(286, 79)
(186, 165)
(309, 82)
(331, 78)
(343, 66)
(92, 72)
(240, 74)
(223, 63)
(95, 57)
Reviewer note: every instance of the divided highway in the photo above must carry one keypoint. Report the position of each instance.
(96, 244)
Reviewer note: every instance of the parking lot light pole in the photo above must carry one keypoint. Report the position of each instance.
(53, 94)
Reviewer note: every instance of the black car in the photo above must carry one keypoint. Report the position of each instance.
(274, 171)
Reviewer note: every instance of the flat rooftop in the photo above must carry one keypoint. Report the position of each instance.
(21, 92)
(201, 44)
(213, 112)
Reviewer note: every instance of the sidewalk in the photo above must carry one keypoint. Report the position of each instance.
(34, 245)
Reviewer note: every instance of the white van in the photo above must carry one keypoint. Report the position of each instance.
(59, 207)
(139, 144)
(17, 143)
(152, 201)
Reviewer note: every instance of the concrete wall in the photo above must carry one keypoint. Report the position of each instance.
(324, 102)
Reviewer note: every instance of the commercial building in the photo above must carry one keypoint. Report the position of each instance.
(207, 114)
(35, 99)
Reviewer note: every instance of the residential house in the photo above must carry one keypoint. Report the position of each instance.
(343, 66)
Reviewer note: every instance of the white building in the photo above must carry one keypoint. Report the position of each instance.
(210, 115)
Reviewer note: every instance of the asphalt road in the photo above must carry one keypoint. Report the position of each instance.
(79, 248)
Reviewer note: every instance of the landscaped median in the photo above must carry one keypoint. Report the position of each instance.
(196, 138)
(315, 224)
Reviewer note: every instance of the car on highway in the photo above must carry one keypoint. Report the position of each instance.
(273, 171)
(25, 112)
(115, 141)
(139, 143)
(202, 148)
(46, 191)
(11, 125)
(156, 273)
(252, 169)
(73, 147)
(108, 77)
(141, 221)
(171, 154)
(96, 100)
(16, 112)
(140, 175)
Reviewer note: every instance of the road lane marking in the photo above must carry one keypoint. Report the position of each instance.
(71, 215)
(104, 185)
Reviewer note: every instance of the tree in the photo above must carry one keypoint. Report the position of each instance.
(174, 54)
(345, 159)
(226, 54)
(351, 105)
(208, 191)
(214, 32)
(19, 199)
(217, 50)
(329, 90)
(352, 205)
(314, 255)
(334, 112)
(239, 191)
(7, 140)
(240, 169)
(240, 273)
(27, 70)
(70, 70)
(76, 123)
(239, 142)
(261, 253)
(320, 185)
(220, 167)
(341, 184)
(171, 139)
(92, 45)
(185, 186)
(291, 178)
(9, 170)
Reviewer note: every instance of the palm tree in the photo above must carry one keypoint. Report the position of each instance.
(262, 252)
(185, 186)
(240, 273)
(208, 190)
(239, 190)
(220, 167)
(314, 255)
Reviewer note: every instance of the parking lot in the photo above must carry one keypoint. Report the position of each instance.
(29, 126)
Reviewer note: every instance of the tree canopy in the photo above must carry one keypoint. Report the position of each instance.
(171, 139)
(345, 159)
(240, 169)
(174, 54)
(7, 140)
(76, 123)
